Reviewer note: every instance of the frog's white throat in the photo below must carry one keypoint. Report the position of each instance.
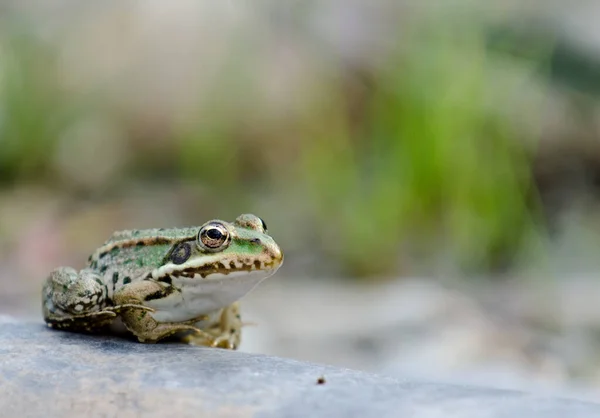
(198, 296)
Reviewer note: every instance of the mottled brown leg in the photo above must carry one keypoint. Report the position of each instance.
(75, 301)
(225, 330)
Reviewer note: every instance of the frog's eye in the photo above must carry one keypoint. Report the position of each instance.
(213, 236)
(264, 225)
(251, 222)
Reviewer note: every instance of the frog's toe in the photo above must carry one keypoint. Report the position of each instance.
(224, 342)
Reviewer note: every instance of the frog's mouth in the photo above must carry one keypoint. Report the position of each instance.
(210, 285)
(225, 267)
(211, 267)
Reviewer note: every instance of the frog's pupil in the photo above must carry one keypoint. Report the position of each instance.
(214, 233)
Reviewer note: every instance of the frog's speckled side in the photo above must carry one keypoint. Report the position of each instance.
(163, 281)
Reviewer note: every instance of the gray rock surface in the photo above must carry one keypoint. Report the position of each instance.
(47, 373)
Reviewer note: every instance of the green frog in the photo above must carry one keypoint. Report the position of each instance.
(161, 282)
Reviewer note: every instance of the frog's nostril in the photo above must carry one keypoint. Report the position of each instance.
(256, 241)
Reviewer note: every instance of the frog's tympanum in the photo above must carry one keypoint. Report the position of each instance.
(161, 282)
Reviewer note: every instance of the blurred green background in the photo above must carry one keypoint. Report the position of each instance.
(379, 140)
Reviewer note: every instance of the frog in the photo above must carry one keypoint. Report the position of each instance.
(166, 282)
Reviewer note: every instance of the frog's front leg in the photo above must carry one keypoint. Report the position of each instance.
(75, 301)
(141, 323)
(226, 329)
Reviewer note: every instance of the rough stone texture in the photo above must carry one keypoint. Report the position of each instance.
(47, 373)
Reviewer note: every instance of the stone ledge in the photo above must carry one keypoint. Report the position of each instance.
(47, 373)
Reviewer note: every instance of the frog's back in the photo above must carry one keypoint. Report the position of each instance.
(149, 234)
(128, 256)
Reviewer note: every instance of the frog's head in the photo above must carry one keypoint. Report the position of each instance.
(221, 251)
(215, 267)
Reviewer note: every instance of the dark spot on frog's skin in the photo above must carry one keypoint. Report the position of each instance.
(102, 269)
(181, 253)
(232, 331)
(231, 265)
(99, 282)
(257, 264)
(94, 265)
(165, 279)
(140, 244)
(188, 274)
(115, 277)
(156, 295)
(321, 380)
(127, 280)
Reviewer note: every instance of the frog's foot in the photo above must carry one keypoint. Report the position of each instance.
(207, 340)
(163, 330)
(226, 331)
(75, 300)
